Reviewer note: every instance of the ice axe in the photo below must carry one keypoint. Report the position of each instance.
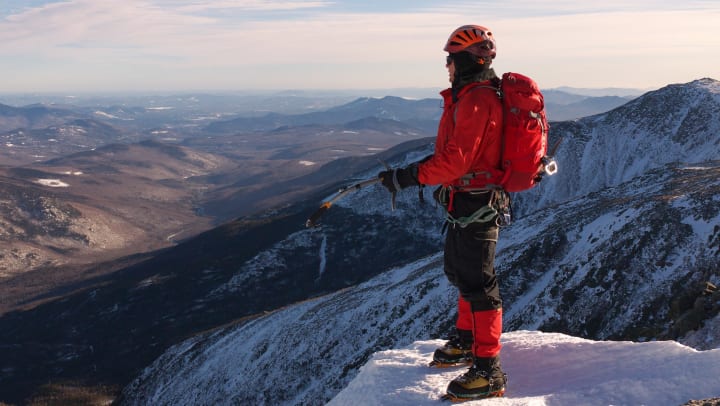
(312, 221)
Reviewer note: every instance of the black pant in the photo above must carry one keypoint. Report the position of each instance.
(470, 254)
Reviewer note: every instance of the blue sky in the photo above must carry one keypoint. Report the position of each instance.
(174, 45)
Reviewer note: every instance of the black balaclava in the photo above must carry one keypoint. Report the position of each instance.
(468, 70)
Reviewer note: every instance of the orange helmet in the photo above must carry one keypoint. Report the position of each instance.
(475, 39)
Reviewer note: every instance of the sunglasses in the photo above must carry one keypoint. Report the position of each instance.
(448, 60)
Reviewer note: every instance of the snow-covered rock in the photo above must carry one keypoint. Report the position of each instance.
(547, 369)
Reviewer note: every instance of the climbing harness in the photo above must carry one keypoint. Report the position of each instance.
(498, 207)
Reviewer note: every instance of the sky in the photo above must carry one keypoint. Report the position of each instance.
(547, 369)
(234, 45)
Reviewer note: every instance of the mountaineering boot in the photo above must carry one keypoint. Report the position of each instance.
(484, 379)
(457, 350)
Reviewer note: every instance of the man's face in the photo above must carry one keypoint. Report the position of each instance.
(450, 65)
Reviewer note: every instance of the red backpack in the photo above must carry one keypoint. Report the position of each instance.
(525, 134)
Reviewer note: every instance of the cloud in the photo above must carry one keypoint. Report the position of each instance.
(93, 24)
(82, 26)
(316, 43)
(252, 5)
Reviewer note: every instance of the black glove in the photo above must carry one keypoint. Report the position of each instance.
(396, 179)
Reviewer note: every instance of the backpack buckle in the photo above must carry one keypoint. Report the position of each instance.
(549, 165)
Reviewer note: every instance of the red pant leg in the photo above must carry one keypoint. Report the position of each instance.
(487, 328)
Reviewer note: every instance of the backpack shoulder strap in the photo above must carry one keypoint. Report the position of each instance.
(496, 87)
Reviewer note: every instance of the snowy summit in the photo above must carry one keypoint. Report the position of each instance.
(548, 369)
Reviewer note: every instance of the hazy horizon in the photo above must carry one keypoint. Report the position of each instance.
(380, 92)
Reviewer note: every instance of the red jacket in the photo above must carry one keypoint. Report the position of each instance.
(468, 139)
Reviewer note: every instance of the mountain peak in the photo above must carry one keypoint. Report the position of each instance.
(705, 81)
(706, 84)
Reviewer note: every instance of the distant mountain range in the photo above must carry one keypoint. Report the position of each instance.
(565, 106)
(420, 113)
(173, 118)
(34, 116)
(423, 113)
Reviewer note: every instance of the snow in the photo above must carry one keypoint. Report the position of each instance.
(52, 183)
(307, 163)
(323, 257)
(106, 115)
(548, 369)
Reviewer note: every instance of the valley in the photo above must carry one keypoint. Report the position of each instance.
(90, 189)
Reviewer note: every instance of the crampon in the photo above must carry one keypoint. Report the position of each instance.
(455, 399)
(442, 364)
